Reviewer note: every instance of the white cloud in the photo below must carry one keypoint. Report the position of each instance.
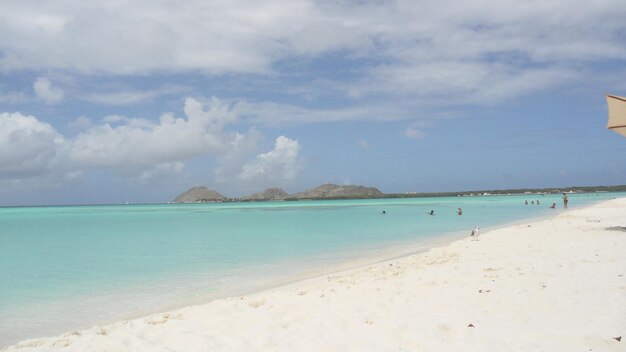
(27, 146)
(14, 97)
(128, 97)
(112, 119)
(161, 171)
(458, 82)
(413, 133)
(401, 54)
(140, 142)
(230, 36)
(120, 98)
(81, 123)
(274, 113)
(45, 91)
(241, 149)
(118, 37)
(280, 164)
(142, 149)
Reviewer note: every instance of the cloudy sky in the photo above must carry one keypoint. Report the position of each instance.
(114, 101)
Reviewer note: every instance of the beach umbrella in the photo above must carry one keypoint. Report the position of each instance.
(617, 114)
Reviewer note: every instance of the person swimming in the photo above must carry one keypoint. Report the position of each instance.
(432, 212)
(383, 212)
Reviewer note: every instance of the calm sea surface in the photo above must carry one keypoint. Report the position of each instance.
(64, 268)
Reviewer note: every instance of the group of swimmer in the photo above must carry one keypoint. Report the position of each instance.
(553, 206)
(473, 235)
(476, 231)
(459, 211)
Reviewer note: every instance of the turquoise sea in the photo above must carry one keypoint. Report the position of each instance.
(71, 267)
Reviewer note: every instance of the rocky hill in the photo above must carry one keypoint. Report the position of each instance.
(202, 194)
(268, 194)
(330, 191)
(199, 194)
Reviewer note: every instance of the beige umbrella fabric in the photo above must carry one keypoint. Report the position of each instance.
(617, 114)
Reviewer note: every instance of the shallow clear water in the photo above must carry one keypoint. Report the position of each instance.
(71, 267)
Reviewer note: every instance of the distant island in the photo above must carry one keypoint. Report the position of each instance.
(330, 191)
(199, 194)
(268, 194)
(202, 194)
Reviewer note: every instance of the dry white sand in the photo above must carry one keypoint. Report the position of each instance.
(552, 285)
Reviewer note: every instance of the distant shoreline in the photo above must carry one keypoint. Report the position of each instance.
(516, 191)
(521, 191)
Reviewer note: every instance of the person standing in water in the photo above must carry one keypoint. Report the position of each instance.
(564, 200)
(459, 211)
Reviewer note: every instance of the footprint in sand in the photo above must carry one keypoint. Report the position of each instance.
(492, 269)
(62, 343)
(257, 304)
(443, 328)
(30, 343)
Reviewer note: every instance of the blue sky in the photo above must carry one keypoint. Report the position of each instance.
(115, 101)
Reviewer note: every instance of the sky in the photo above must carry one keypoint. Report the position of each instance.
(137, 101)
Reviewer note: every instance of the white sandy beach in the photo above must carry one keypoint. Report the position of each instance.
(552, 285)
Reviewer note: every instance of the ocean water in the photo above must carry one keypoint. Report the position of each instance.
(71, 267)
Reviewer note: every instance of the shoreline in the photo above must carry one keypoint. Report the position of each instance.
(353, 259)
(436, 259)
(350, 260)
(137, 300)
(303, 284)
